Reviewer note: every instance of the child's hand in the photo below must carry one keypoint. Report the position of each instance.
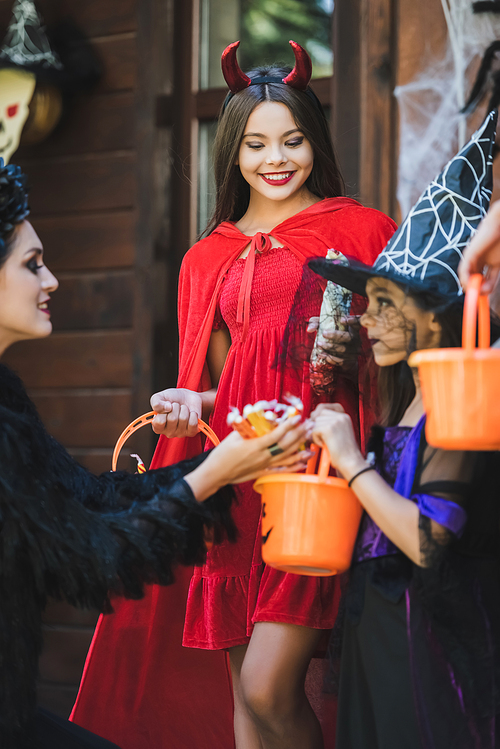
(334, 346)
(332, 427)
(313, 324)
(178, 411)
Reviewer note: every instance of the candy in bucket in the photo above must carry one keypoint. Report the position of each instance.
(309, 521)
(264, 416)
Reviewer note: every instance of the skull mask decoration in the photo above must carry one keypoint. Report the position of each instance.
(16, 91)
(26, 57)
(39, 71)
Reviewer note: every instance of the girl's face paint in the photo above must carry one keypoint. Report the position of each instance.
(275, 158)
(395, 324)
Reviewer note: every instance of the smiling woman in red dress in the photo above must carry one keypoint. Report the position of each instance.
(273, 143)
(279, 203)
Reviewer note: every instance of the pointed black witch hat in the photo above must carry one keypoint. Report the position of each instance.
(26, 45)
(426, 250)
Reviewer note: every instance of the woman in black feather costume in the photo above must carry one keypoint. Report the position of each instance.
(68, 534)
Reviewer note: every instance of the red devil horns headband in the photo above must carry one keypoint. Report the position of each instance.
(237, 80)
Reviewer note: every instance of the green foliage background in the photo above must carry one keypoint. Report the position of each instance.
(268, 25)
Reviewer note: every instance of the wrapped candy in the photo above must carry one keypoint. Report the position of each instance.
(262, 417)
(141, 468)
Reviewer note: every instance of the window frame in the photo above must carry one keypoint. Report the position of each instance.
(184, 109)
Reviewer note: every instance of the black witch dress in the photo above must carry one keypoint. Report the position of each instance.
(67, 534)
(415, 654)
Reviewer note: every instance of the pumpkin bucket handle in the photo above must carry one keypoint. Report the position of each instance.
(476, 306)
(147, 419)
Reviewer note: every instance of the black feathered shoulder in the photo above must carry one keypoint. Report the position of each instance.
(71, 535)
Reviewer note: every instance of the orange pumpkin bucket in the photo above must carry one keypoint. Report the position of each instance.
(460, 385)
(309, 522)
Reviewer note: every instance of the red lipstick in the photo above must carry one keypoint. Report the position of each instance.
(43, 306)
(273, 178)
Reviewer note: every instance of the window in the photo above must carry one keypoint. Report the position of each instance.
(264, 28)
(202, 30)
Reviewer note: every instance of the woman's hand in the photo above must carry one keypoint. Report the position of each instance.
(483, 250)
(331, 426)
(237, 459)
(178, 411)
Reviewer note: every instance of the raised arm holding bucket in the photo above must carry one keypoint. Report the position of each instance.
(460, 385)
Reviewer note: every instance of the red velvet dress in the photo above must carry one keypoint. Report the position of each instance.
(141, 688)
(234, 588)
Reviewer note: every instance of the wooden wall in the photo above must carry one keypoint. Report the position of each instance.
(364, 113)
(98, 197)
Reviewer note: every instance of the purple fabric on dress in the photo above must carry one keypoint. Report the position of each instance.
(401, 450)
(446, 513)
(371, 541)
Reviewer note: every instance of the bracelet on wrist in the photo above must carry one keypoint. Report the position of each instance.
(363, 470)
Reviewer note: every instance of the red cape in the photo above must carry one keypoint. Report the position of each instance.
(338, 223)
(141, 688)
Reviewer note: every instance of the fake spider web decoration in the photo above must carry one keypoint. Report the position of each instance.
(430, 124)
(447, 214)
(26, 43)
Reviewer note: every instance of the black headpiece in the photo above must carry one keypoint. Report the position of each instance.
(298, 77)
(13, 199)
(426, 250)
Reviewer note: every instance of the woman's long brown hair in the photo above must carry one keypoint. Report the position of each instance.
(232, 192)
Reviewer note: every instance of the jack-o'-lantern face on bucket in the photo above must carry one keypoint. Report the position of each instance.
(16, 91)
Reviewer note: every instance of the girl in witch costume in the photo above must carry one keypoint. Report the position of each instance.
(419, 658)
(68, 534)
(279, 202)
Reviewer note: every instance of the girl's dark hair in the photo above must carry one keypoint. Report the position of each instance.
(13, 205)
(396, 388)
(232, 192)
